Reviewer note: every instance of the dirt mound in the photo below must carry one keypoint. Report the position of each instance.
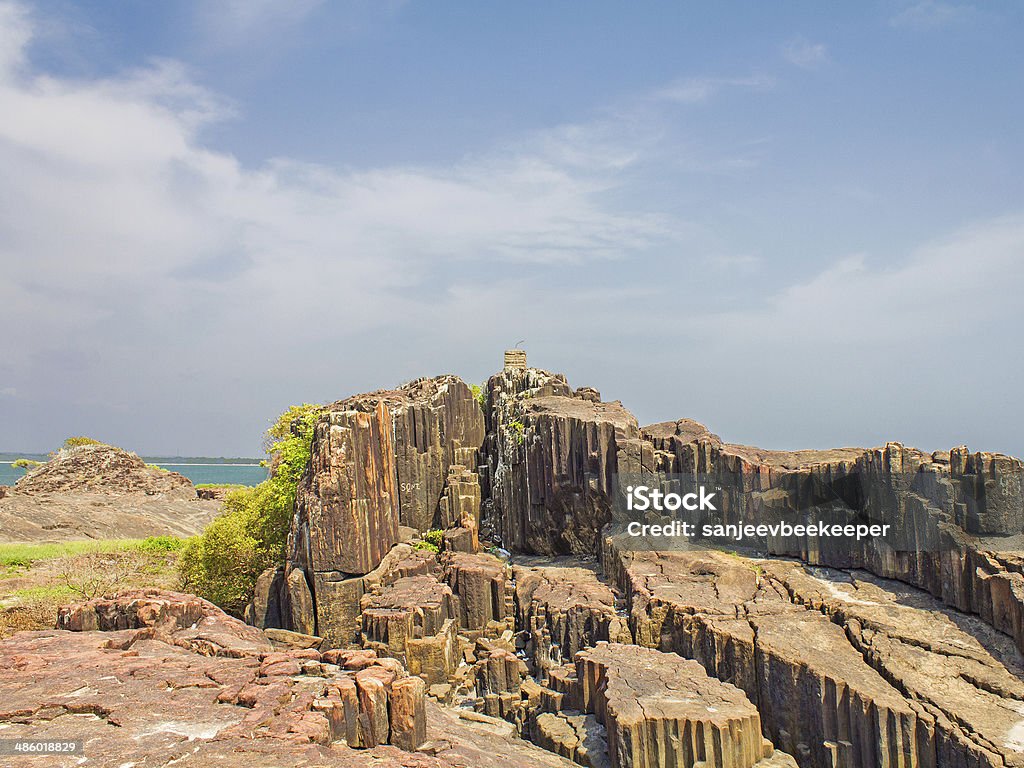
(102, 468)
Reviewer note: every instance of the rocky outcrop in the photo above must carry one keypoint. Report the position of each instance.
(553, 455)
(414, 620)
(378, 461)
(460, 510)
(101, 492)
(156, 676)
(659, 710)
(105, 469)
(689, 657)
(842, 672)
(564, 608)
(484, 586)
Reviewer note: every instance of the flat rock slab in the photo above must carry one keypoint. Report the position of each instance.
(156, 689)
(660, 710)
(844, 670)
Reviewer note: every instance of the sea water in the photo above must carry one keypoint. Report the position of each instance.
(199, 470)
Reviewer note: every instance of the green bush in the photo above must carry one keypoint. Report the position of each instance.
(480, 394)
(159, 545)
(80, 440)
(27, 464)
(426, 545)
(434, 536)
(223, 562)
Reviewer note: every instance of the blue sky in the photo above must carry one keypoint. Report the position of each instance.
(801, 223)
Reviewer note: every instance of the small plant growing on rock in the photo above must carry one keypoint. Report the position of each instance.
(434, 536)
(78, 441)
(480, 394)
(27, 464)
(517, 430)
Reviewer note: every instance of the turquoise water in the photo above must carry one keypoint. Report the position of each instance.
(198, 470)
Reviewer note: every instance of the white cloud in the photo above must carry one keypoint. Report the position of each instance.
(9, 392)
(805, 54)
(694, 90)
(930, 14)
(948, 288)
(131, 251)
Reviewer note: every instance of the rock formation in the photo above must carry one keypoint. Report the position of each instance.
(833, 667)
(540, 619)
(101, 492)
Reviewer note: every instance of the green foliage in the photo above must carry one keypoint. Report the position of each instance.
(480, 394)
(158, 467)
(78, 441)
(159, 545)
(427, 546)
(517, 430)
(24, 555)
(434, 536)
(26, 464)
(223, 562)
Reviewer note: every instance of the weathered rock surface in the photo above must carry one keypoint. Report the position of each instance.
(161, 678)
(414, 620)
(459, 510)
(378, 461)
(846, 674)
(484, 586)
(553, 457)
(101, 492)
(836, 668)
(660, 710)
(565, 608)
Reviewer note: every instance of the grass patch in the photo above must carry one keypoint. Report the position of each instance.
(43, 592)
(13, 556)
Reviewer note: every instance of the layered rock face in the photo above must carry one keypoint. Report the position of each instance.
(553, 455)
(378, 462)
(845, 654)
(844, 671)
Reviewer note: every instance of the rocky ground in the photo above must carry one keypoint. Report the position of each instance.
(543, 636)
(100, 492)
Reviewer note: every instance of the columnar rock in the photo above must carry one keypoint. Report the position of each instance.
(438, 423)
(578, 737)
(499, 678)
(554, 454)
(565, 608)
(414, 620)
(844, 672)
(460, 509)
(347, 503)
(661, 711)
(936, 504)
(377, 461)
(483, 584)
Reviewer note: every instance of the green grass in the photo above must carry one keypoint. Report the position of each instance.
(43, 592)
(23, 555)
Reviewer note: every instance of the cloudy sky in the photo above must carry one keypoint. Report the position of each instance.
(800, 223)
